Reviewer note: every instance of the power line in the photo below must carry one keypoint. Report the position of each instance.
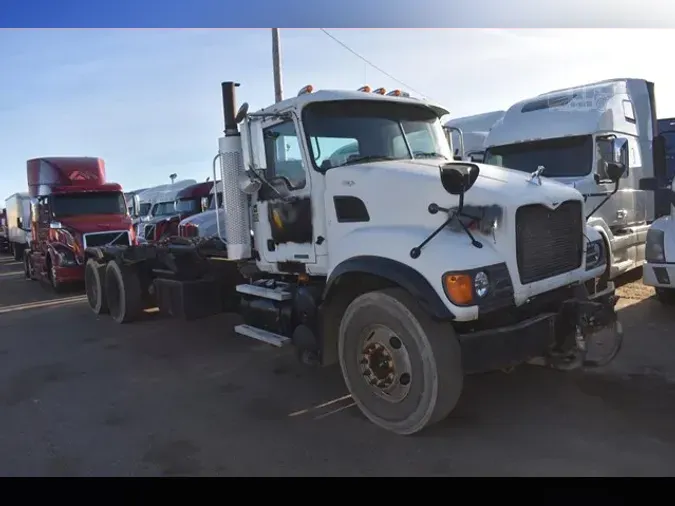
(372, 64)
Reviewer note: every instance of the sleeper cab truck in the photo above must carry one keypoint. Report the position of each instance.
(72, 208)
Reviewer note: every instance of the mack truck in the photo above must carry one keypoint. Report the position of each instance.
(18, 224)
(563, 135)
(407, 268)
(72, 208)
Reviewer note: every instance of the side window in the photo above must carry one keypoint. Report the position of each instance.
(283, 154)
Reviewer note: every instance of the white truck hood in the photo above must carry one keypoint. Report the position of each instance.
(406, 188)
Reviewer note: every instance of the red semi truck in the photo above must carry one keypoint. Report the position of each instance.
(72, 208)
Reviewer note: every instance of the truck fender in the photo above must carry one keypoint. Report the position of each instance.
(396, 272)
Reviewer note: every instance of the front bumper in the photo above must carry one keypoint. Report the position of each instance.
(74, 274)
(549, 324)
(659, 275)
(503, 347)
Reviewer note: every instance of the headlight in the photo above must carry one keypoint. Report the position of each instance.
(66, 257)
(595, 254)
(464, 289)
(481, 283)
(654, 251)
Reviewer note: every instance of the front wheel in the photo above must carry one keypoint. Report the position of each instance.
(402, 369)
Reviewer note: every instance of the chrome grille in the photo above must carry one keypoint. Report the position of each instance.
(115, 237)
(548, 242)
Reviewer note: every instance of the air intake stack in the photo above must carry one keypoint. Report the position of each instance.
(237, 222)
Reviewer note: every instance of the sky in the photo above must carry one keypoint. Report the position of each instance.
(148, 101)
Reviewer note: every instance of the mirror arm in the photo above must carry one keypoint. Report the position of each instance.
(606, 195)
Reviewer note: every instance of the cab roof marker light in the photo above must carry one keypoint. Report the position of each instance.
(380, 91)
(306, 90)
(398, 93)
(365, 89)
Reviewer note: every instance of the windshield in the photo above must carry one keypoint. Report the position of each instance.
(164, 208)
(80, 204)
(360, 131)
(562, 157)
(192, 205)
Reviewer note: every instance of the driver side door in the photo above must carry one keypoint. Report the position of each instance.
(283, 214)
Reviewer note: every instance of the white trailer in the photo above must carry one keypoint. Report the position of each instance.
(18, 223)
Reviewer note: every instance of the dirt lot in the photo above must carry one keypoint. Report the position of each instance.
(82, 396)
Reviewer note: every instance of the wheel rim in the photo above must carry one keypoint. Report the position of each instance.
(384, 362)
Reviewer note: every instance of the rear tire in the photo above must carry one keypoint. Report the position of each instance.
(94, 275)
(123, 293)
(17, 250)
(424, 376)
(665, 296)
(28, 266)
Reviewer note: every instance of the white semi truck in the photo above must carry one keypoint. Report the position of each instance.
(567, 134)
(18, 223)
(407, 268)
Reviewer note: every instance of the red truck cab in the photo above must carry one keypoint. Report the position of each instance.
(72, 208)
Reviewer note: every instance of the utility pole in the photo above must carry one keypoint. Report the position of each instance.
(276, 64)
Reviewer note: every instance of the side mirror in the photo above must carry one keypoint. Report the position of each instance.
(618, 162)
(205, 203)
(458, 178)
(18, 223)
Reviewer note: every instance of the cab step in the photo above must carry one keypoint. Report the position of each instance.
(262, 335)
(278, 292)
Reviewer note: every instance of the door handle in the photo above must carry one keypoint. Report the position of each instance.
(621, 214)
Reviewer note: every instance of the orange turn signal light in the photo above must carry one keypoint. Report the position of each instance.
(365, 89)
(458, 288)
(380, 91)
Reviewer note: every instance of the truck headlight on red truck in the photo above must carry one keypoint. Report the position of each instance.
(65, 256)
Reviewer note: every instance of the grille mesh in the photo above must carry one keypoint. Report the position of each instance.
(548, 242)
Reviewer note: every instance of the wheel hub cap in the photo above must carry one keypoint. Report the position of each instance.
(385, 364)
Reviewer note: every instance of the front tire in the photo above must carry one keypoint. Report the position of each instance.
(402, 369)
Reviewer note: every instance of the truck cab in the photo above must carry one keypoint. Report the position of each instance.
(72, 208)
(18, 223)
(566, 135)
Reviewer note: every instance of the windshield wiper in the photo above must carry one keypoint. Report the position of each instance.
(366, 159)
(430, 154)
